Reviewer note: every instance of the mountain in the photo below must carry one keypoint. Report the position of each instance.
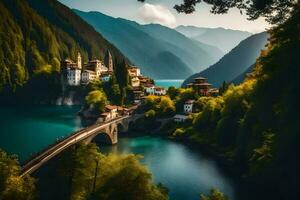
(235, 62)
(148, 45)
(36, 34)
(224, 39)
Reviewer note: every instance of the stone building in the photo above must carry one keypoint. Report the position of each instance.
(75, 74)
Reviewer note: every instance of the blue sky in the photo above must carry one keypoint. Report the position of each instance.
(162, 12)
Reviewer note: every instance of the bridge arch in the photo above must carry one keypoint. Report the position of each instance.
(101, 138)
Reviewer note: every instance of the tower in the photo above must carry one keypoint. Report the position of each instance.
(108, 62)
(79, 63)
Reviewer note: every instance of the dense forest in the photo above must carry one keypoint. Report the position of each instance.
(34, 36)
(254, 126)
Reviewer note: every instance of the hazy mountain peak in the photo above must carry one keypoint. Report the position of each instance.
(224, 39)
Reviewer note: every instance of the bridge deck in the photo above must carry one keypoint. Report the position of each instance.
(72, 139)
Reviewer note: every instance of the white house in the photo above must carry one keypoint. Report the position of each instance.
(160, 91)
(180, 118)
(188, 106)
(149, 89)
(73, 76)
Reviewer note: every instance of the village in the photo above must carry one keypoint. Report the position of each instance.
(77, 73)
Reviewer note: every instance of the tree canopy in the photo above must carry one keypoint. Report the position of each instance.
(12, 186)
(275, 11)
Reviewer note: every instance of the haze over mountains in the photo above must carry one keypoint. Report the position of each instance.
(224, 39)
(161, 52)
(234, 65)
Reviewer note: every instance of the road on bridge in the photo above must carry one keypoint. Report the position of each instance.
(74, 138)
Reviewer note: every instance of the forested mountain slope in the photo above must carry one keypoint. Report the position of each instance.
(35, 35)
(235, 62)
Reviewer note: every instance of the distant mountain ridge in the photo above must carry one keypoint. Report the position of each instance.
(224, 39)
(236, 62)
(161, 52)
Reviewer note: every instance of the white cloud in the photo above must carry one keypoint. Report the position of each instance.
(156, 14)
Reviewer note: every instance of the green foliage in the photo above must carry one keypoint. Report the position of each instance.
(255, 125)
(214, 195)
(273, 11)
(172, 92)
(223, 88)
(114, 176)
(12, 186)
(150, 114)
(166, 106)
(96, 98)
(178, 132)
(163, 106)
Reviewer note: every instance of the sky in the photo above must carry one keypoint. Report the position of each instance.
(162, 12)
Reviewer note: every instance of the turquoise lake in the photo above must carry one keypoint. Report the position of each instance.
(168, 83)
(185, 172)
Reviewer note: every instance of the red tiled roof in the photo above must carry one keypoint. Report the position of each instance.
(111, 107)
(159, 89)
(104, 114)
(189, 101)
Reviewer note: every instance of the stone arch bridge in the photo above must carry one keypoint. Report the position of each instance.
(110, 128)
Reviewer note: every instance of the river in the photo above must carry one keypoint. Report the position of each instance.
(186, 173)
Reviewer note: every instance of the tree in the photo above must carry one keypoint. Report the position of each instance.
(166, 106)
(117, 177)
(172, 92)
(275, 11)
(96, 98)
(12, 186)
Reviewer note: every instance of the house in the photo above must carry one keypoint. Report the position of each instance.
(188, 106)
(180, 118)
(74, 73)
(113, 110)
(144, 80)
(134, 71)
(110, 113)
(96, 66)
(73, 76)
(105, 77)
(138, 95)
(159, 91)
(88, 76)
(149, 89)
(135, 82)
